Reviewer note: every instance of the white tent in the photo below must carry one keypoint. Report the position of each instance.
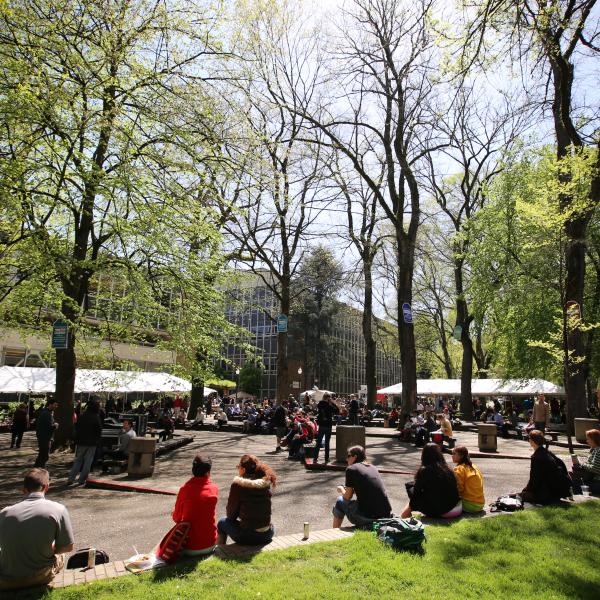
(480, 387)
(14, 380)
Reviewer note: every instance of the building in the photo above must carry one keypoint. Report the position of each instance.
(253, 305)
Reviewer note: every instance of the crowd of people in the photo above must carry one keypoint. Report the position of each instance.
(36, 532)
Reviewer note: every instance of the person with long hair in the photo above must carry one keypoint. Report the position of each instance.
(469, 480)
(549, 480)
(434, 491)
(248, 519)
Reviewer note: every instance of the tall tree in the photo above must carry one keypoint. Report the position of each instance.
(102, 156)
(380, 109)
(276, 175)
(552, 36)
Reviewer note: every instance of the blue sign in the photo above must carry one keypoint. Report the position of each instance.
(407, 312)
(60, 335)
(282, 323)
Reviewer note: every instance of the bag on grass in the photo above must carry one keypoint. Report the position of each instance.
(79, 560)
(508, 503)
(401, 534)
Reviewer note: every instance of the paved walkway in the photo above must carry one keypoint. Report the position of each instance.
(223, 552)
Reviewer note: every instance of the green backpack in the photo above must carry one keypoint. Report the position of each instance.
(401, 534)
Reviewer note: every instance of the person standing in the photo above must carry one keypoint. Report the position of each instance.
(326, 410)
(364, 480)
(541, 414)
(353, 410)
(88, 433)
(20, 423)
(34, 536)
(44, 430)
(279, 423)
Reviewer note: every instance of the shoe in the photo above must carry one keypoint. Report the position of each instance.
(279, 449)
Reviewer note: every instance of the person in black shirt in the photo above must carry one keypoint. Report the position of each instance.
(326, 410)
(353, 410)
(365, 481)
(434, 491)
(278, 421)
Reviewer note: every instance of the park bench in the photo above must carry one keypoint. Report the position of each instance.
(553, 435)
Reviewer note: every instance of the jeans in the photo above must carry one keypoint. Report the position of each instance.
(540, 426)
(246, 537)
(324, 432)
(17, 437)
(349, 508)
(84, 457)
(43, 452)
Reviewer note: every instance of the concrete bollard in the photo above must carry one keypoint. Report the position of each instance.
(346, 436)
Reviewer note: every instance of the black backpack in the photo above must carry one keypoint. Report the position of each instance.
(79, 560)
(561, 484)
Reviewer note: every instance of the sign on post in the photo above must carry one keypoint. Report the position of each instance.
(457, 333)
(60, 335)
(282, 323)
(407, 313)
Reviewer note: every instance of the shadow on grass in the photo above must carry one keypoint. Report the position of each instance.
(28, 594)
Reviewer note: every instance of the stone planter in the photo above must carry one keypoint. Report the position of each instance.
(583, 425)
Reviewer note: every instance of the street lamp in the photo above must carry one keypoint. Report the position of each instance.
(237, 382)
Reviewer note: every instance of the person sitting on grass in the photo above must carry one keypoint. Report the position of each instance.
(469, 481)
(434, 492)
(588, 472)
(196, 504)
(364, 480)
(248, 519)
(549, 480)
(34, 536)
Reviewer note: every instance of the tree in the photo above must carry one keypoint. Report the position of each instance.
(383, 82)
(103, 146)
(479, 134)
(549, 36)
(274, 174)
(251, 379)
(317, 284)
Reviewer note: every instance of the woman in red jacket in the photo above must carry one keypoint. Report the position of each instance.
(196, 503)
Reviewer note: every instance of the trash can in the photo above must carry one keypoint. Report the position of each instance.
(583, 425)
(346, 436)
(488, 437)
(141, 456)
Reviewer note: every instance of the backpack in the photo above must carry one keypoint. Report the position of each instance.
(400, 534)
(561, 483)
(508, 503)
(79, 560)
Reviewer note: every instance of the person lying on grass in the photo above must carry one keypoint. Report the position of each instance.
(248, 519)
(434, 491)
(364, 480)
(469, 481)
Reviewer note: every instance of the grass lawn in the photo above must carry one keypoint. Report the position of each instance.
(547, 553)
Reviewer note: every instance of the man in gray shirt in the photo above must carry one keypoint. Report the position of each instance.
(34, 535)
(125, 436)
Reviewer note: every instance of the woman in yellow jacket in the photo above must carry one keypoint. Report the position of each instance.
(469, 480)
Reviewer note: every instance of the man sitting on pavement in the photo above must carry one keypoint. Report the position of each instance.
(34, 535)
(364, 480)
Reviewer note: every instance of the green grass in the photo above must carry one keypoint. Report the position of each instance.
(548, 553)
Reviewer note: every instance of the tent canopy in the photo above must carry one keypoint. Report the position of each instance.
(25, 380)
(480, 387)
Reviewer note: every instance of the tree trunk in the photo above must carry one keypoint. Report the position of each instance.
(367, 327)
(282, 342)
(464, 321)
(406, 333)
(66, 363)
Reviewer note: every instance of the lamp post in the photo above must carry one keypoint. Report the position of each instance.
(237, 383)
(300, 376)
